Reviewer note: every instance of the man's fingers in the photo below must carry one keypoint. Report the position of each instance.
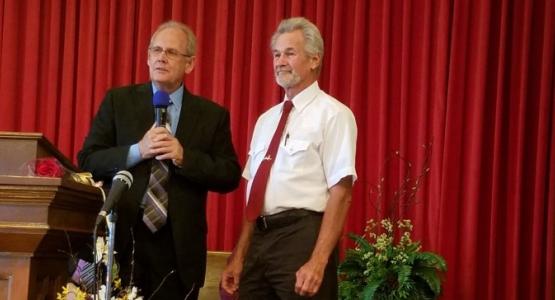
(306, 285)
(230, 282)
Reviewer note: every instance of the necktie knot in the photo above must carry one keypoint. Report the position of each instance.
(287, 106)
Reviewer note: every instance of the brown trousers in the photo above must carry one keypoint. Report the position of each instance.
(276, 253)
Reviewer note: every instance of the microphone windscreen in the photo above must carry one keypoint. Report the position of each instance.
(161, 99)
(124, 176)
(120, 183)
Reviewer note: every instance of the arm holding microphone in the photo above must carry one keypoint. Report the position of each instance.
(110, 147)
(158, 142)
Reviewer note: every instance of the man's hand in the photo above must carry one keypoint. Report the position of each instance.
(309, 277)
(231, 275)
(311, 274)
(232, 272)
(160, 144)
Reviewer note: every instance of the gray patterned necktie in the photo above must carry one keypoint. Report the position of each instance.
(156, 197)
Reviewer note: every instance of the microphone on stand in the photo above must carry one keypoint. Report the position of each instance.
(120, 183)
(161, 100)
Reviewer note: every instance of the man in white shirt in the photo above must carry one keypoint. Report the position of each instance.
(289, 250)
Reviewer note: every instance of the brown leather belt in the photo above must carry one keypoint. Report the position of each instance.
(282, 219)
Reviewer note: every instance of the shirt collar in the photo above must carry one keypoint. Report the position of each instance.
(176, 98)
(303, 98)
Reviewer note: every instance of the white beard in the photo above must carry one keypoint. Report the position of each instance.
(288, 80)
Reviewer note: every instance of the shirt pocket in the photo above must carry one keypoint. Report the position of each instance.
(296, 147)
(256, 150)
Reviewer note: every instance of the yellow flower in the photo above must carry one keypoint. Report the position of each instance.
(71, 292)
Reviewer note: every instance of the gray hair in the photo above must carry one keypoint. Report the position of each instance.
(314, 44)
(191, 39)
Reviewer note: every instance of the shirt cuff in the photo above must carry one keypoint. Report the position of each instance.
(133, 156)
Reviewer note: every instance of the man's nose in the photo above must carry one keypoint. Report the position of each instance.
(280, 60)
(162, 57)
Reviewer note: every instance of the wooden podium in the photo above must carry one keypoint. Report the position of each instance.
(42, 219)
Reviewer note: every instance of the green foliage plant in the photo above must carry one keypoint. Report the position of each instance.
(382, 267)
(386, 264)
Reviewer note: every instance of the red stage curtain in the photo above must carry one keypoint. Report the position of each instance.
(474, 77)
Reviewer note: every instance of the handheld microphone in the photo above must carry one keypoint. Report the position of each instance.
(122, 181)
(161, 100)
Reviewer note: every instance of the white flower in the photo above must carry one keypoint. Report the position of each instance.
(101, 249)
(133, 294)
(102, 293)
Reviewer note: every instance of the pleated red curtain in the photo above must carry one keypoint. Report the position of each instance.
(474, 78)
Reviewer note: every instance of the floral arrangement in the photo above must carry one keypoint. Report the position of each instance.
(73, 292)
(81, 288)
(382, 267)
(386, 264)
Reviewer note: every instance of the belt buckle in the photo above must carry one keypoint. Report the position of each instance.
(261, 223)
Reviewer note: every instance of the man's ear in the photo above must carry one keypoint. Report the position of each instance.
(315, 61)
(190, 64)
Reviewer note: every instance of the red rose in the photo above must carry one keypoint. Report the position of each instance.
(48, 167)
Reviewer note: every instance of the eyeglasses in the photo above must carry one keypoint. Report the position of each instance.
(170, 52)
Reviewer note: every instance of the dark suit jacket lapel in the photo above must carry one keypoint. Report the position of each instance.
(188, 118)
(144, 109)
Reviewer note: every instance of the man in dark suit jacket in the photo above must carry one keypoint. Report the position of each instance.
(170, 262)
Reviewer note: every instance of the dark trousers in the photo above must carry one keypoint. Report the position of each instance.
(155, 265)
(277, 252)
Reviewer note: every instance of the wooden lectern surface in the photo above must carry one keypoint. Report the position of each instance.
(19, 148)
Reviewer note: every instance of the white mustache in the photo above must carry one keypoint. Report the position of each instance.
(283, 70)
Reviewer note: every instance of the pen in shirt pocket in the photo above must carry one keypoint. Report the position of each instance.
(286, 138)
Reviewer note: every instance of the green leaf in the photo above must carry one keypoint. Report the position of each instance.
(352, 267)
(430, 276)
(361, 242)
(348, 290)
(403, 276)
(430, 259)
(413, 247)
(370, 289)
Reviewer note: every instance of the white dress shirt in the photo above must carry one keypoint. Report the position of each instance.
(317, 150)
